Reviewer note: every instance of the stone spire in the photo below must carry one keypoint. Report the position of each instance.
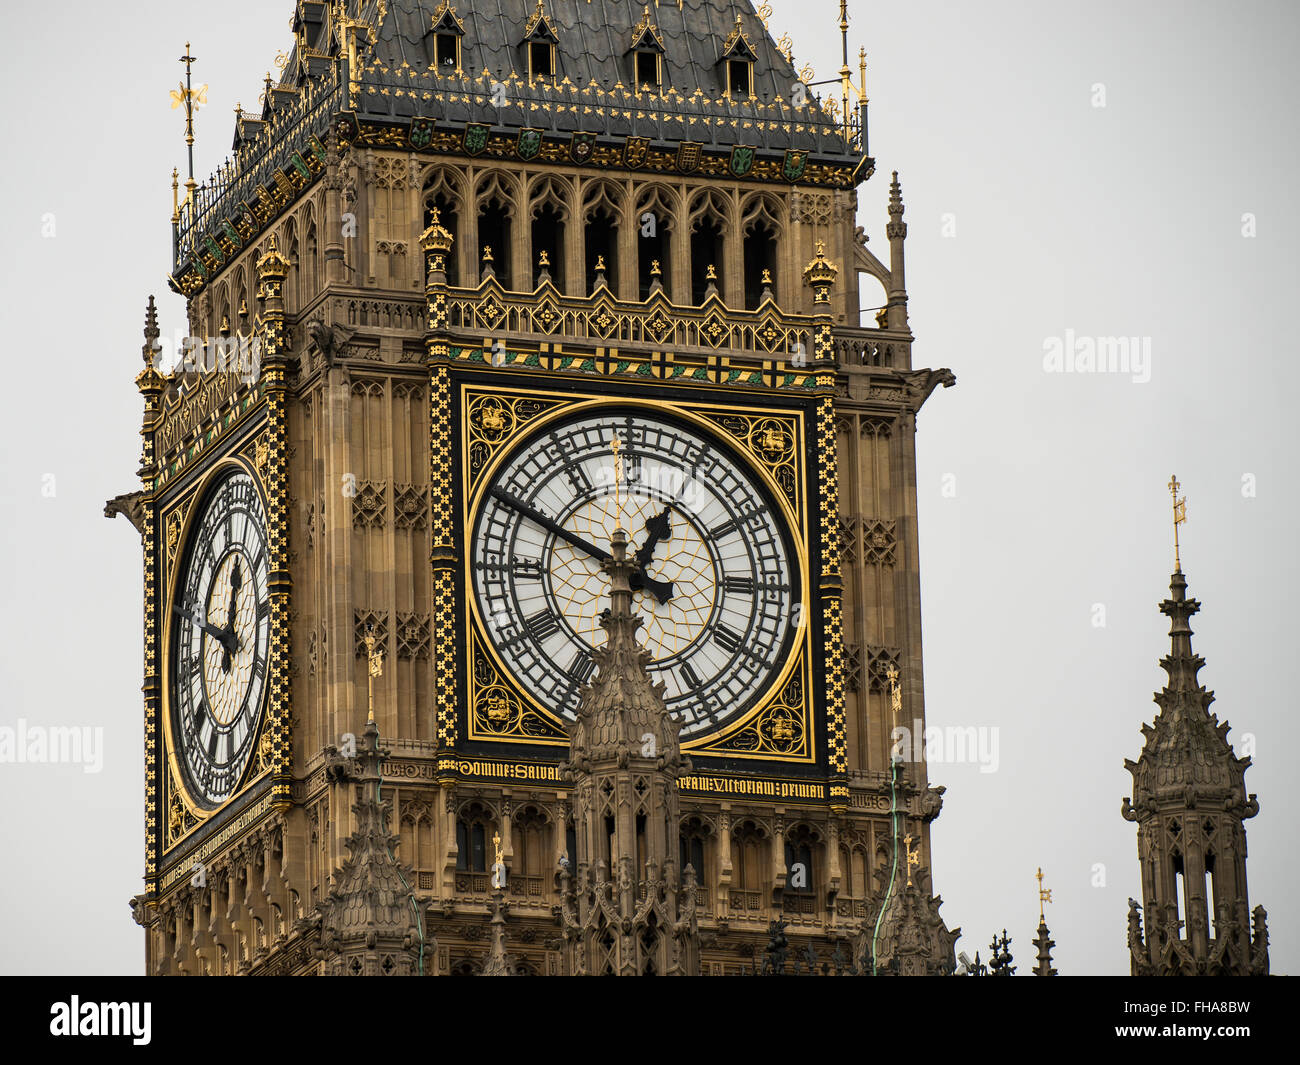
(910, 938)
(368, 922)
(1044, 944)
(894, 314)
(499, 963)
(627, 911)
(1190, 805)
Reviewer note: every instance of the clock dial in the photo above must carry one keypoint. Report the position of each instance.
(220, 636)
(716, 586)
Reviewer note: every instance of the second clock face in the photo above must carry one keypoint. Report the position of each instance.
(220, 639)
(717, 584)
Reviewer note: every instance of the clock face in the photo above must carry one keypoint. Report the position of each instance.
(717, 584)
(220, 636)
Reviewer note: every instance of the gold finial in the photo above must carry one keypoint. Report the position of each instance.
(895, 693)
(1180, 516)
(545, 259)
(375, 665)
(913, 855)
(600, 262)
(500, 858)
(767, 276)
(712, 273)
(176, 203)
(487, 253)
(616, 445)
(435, 217)
(1043, 895)
(654, 268)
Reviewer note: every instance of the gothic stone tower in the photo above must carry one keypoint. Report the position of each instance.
(1190, 804)
(465, 249)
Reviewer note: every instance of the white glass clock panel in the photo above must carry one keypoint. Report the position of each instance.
(717, 585)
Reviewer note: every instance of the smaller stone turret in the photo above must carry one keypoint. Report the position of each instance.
(628, 910)
(368, 922)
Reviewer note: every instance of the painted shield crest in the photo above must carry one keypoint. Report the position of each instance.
(529, 144)
(582, 146)
(421, 133)
(742, 160)
(476, 138)
(635, 151)
(795, 162)
(688, 156)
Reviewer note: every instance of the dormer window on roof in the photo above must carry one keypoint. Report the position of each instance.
(539, 44)
(738, 57)
(647, 52)
(446, 34)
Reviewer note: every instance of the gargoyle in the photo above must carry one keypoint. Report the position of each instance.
(131, 506)
(329, 339)
(920, 383)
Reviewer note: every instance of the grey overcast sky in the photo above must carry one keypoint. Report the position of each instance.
(1033, 214)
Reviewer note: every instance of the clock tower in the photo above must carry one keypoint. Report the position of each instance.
(503, 280)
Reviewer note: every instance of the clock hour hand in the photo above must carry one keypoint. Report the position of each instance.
(659, 528)
(236, 582)
(194, 617)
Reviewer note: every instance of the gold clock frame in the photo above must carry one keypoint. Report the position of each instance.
(177, 785)
(794, 673)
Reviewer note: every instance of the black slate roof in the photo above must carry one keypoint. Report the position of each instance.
(594, 37)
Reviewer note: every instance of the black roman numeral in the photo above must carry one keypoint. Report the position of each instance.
(581, 668)
(542, 624)
(726, 529)
(526, 569)
(738, 585)
(726, 639)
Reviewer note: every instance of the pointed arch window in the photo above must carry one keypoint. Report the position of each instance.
(474, 829)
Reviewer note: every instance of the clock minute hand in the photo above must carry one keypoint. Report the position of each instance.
(660, 590)
(549, 525)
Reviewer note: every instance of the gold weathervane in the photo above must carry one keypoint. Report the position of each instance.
(187, 96)
(375, 668)
(1180, 516)
(1044, 895)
